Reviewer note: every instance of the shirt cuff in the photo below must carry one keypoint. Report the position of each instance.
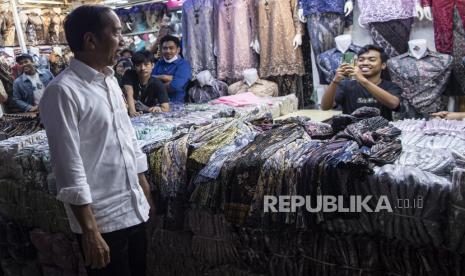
(75, 195)
(141, 163)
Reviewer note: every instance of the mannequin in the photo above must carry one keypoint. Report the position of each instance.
(250, 76)
(207, 88)
(252, 83)
(330, 60)
(423, 76)
(343, 42)
(205, 78)
(417, 48)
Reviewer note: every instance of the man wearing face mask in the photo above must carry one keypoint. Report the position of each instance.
(174, 71)
(367, 88)
(29, 87)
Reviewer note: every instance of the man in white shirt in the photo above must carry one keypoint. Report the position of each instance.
(96, 160)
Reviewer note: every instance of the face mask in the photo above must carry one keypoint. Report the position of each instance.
(171, 60)
(250, 76)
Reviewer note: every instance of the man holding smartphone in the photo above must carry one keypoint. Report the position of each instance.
(367, 88)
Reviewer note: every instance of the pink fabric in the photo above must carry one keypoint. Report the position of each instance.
(243, 99)
(174, 4)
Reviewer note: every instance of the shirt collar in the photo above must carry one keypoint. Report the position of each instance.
(88, 73)
(427, 53)
(25, 78)
(352, 48)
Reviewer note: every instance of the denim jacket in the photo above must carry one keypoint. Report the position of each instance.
(23, 91)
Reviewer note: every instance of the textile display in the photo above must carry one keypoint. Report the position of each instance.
(211, 165)
(323, 28)
(278, 24)
(329, 61)
(443, 14)
(423, 81)
(236, 24)
(392, 36)
(198, 33)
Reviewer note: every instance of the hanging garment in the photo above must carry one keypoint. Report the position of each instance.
(198, 34)
(61, 30)
(260, 88)
(37, 25)
(2, 28)
(423, 81)
(323, 28)
(457, 81)
(443, 14)
(10, 35)
(384, 10)
(235, 25)
(140, 22)
(46, 23)
(330, 60)
(392, 36)
(278, 23)
(322, 6)
(54, 29)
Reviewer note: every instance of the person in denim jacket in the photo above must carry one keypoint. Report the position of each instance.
(29, 87)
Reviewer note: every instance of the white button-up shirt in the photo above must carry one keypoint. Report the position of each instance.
(93, 147)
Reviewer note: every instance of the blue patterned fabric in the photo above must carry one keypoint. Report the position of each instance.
(330, 60)
(322, 6)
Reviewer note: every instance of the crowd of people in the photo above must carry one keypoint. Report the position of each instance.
(147, 85)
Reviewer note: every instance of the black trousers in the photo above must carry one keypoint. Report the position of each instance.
(128, 249)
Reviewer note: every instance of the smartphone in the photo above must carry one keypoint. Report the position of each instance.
(349, 58)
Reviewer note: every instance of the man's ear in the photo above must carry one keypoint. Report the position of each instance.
(88, 41)
(384, 66)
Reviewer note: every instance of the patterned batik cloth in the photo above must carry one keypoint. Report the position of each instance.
(260, 88)
(198, 35)
(457, 81)
(443, 14)
(392, 36)
(423, 81)
(207, 93)
(235, 29)
(278, 24)
(329, 61)
(384, 10)
(323, 28)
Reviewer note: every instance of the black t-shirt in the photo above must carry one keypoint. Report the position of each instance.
(351, 95)
(151, 94)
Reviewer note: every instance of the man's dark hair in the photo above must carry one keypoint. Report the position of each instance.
(142, 57)
(167, 38)
(382, 53)
(126, 51)
(82, 20)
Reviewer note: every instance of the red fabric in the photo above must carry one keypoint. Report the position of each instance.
(443, 15)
